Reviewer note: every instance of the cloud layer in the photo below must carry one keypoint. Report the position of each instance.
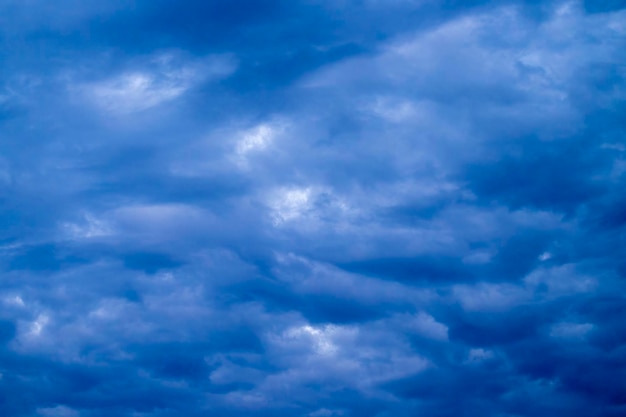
(320, 208)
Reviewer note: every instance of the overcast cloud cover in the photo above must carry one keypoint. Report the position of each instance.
(322, 208)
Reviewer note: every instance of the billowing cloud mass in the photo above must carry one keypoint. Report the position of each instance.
(312, 208)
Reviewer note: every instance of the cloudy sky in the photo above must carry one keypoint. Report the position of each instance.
(319, 208)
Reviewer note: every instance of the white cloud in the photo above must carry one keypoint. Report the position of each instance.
(321, 340)
(290, 203)
(426, 325)
(309, 209)
(163, 78)
(359, 356)
(14, 300)
(38, 325)
(90, 227)
(135, 91)
(255, 140)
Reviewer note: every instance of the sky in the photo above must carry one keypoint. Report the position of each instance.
(318, 208)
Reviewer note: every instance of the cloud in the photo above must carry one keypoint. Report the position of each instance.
(163, 78)
(312, 208)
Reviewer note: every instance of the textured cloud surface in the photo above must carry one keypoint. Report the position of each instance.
(312, 208)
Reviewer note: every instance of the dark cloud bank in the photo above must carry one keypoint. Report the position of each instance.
(312, 208)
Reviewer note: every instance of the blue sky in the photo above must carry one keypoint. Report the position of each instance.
(312, 208)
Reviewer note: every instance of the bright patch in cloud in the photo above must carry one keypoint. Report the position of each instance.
(288, 204)
(164, 78)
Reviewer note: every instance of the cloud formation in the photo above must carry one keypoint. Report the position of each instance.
(321, 208)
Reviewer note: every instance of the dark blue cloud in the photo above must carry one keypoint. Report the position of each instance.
(320, 208)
